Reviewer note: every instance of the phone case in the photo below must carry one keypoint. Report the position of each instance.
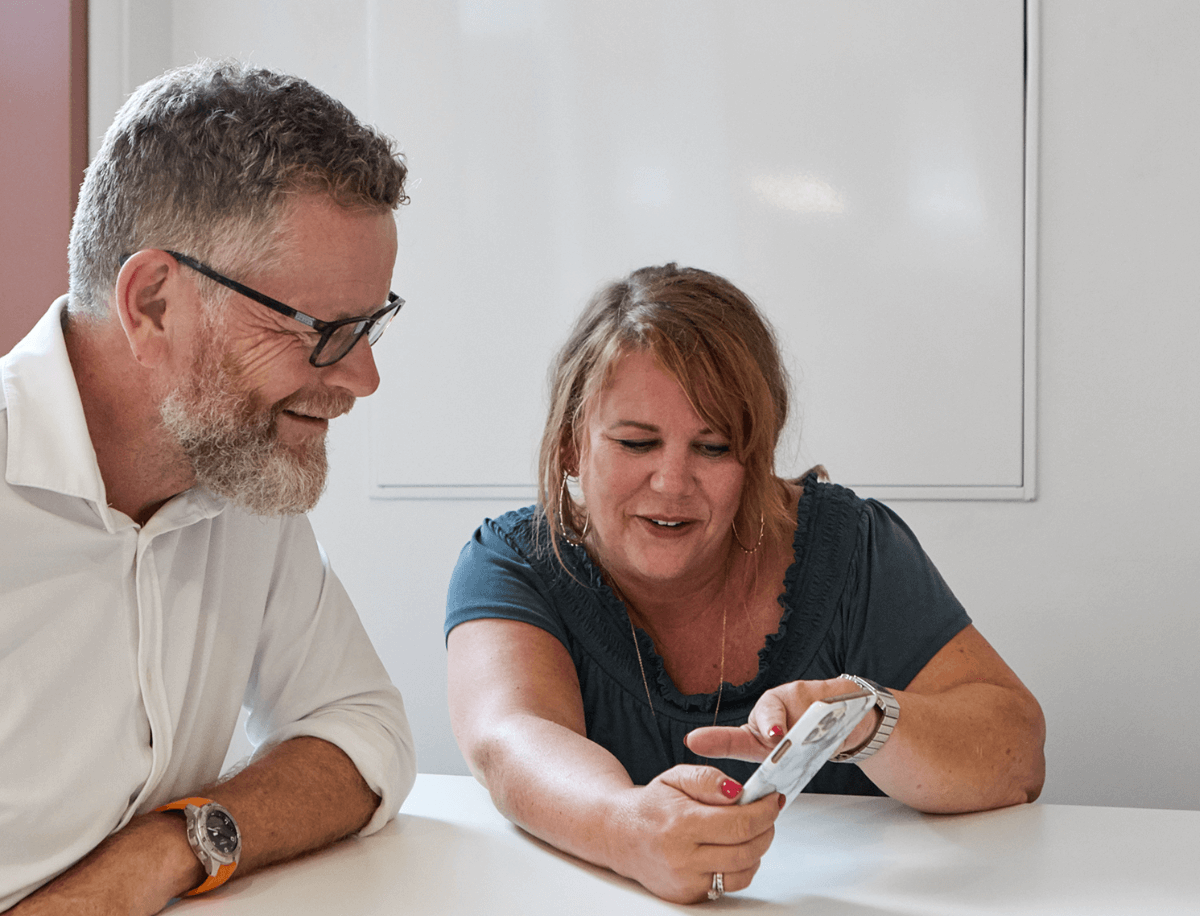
(814, 738)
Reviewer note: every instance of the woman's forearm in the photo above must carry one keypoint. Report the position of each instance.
(555, 784)
(969, 748)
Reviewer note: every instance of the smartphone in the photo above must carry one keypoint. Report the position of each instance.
(814, 738)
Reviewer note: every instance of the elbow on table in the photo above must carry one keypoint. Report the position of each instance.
(1019, 770)
(1020, 778)
(1036, 753)
(990, 776)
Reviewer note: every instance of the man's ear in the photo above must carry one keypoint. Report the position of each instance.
(149, 302)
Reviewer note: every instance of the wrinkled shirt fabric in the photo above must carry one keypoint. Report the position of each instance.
(127, 651)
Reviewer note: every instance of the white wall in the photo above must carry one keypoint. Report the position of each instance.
(1089, 591)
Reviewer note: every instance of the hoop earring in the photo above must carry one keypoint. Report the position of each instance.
(565, 495)
(762, 527)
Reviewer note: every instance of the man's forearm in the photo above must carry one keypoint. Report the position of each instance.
(303, 795)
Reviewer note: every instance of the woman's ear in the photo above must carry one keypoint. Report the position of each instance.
(568, 454)
(147, 299)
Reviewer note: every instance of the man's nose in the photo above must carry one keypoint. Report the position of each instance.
(356, 371)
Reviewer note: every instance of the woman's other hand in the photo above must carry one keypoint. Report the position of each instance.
(776, 711)
(970, 735)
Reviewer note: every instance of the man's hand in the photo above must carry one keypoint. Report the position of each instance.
(305, 794)
(136, 870)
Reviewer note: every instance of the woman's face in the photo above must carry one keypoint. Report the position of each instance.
(661, 488)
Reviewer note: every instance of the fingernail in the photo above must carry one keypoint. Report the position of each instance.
(782, 801)
(730, 789)
(775, 732)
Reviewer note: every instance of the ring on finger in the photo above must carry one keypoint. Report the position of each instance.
(718, 886)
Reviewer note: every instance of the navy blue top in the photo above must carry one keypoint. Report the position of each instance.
(860, 597)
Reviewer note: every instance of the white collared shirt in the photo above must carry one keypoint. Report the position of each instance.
(127, 651)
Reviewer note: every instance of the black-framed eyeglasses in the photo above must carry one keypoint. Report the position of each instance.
(337, 337)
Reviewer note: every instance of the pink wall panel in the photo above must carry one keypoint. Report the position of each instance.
(43, 149)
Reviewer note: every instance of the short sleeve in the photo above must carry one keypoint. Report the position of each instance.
(493, 579)
(898, 612)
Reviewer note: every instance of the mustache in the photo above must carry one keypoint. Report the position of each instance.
(328, 403)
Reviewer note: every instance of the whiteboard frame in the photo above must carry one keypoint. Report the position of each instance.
(522, 494)
(1027, 491)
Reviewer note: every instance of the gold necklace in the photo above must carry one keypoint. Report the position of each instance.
(638, 650)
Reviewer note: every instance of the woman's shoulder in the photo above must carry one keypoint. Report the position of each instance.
(522, 537)
(515, 531)
(506, 541)
(831, 506)
(822, 505)
(518, 522)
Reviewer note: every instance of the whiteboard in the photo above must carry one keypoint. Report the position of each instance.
(863, 169)
(858, 168)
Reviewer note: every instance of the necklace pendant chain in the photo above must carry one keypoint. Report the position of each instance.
(721, 675)
(637, 650)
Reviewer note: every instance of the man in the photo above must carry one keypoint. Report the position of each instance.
(161, 435)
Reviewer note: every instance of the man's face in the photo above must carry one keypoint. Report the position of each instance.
(252, 414)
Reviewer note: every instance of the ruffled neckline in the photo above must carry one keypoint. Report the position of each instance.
(597, 623)
(769, 656)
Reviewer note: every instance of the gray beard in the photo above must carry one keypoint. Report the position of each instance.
(232, 443)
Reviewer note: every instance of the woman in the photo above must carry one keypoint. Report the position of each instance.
(684, 604)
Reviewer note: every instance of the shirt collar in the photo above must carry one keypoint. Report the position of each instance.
(48, 442)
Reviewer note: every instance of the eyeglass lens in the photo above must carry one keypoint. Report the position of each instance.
(345, 336)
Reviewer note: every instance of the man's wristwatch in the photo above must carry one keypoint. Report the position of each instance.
(213, 835)
(890, 709)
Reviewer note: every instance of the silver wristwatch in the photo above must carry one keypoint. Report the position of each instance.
(889, 708)
(214, 837)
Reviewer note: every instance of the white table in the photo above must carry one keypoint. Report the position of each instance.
(449, 852)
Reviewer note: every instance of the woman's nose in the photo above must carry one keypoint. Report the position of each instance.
(673, 475)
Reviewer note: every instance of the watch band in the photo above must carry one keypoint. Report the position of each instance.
(224, 870)
(889, 708)
(224, 873)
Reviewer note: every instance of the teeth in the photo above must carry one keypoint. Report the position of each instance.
(665, 524)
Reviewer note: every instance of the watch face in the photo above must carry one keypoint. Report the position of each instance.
(221, 832)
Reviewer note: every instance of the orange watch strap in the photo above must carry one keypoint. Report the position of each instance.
(183, 803)
(224, 872)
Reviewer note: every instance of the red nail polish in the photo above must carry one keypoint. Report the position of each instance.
(775, 732)
(782, 801)
(730, 789)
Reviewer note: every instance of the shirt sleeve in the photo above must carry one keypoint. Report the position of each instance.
(316, 674)
(898, 611)
(493, 579)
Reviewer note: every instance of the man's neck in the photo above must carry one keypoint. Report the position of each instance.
(140, 466)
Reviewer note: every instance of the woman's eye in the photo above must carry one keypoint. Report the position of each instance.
(712, 449)
(637, 445)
